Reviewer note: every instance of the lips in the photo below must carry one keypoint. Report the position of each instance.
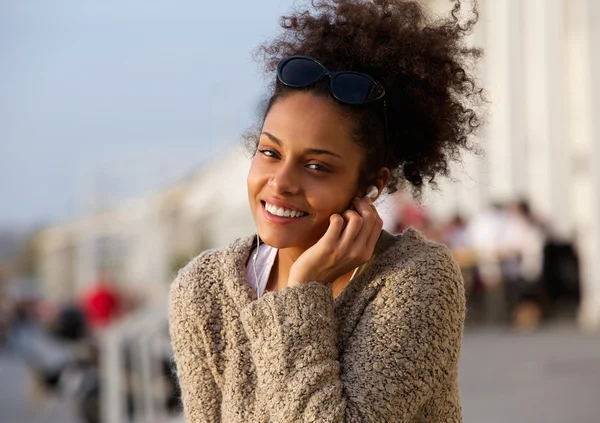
(282, 211)
(278, 209)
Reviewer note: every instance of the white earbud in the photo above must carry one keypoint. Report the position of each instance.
(372, 192)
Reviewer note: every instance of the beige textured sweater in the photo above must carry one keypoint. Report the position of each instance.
(385, 349)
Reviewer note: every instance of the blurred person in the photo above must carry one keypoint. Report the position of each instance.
(322, 316)
(411, 216)
(70, 323)
(521, 255)
(455, 235)
(45, 356)
(22, 320)
(101, 303)
(5, 307)
(484, 235)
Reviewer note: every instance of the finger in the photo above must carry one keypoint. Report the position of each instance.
(353, 227)
(374, 235)
(336, 224)
(369, 202)
(370, 216)
(366, 208)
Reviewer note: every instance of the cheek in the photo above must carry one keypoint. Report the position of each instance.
(257, 170)
(253, 184)
(327, 200)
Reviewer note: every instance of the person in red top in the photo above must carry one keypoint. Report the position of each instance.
(101, 304)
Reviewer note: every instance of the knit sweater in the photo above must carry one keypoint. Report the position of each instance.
(385, 349)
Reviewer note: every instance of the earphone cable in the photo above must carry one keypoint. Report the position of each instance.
(256, 281)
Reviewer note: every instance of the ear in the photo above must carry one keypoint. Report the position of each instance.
(383, 175)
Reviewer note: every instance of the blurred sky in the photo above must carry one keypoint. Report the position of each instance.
(133, 94)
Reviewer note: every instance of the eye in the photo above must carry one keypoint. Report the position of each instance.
(318, 167)
(268, 153)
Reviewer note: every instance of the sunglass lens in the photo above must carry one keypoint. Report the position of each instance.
(352, 88)
(300, 72)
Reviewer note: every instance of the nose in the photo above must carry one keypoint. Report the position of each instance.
(285, 180)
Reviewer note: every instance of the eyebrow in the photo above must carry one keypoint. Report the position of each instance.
(308, 150)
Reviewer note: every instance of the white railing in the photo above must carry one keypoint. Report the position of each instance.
(132, 356)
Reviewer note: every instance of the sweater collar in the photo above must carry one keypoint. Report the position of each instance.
(236, 257)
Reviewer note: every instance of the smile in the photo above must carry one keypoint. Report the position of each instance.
(282, 212)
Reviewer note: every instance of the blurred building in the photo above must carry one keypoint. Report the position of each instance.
(144, 241)
(541, 73)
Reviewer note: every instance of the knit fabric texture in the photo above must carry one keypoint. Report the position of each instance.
(386, 349)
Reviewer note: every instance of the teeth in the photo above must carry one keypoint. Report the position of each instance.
(280, 211)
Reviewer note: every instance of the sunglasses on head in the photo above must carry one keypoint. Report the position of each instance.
(348, 87)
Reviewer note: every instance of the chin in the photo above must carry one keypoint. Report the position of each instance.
(278, 241)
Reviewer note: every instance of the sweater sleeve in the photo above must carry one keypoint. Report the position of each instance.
(406, 342)
(201, 396)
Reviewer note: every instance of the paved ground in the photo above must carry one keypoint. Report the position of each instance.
(14, 404)
(552, 376)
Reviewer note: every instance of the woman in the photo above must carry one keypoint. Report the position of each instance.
(324, 317)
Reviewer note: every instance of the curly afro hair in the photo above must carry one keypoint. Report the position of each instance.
(423, 64)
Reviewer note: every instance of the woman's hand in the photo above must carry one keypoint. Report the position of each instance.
(341, 249)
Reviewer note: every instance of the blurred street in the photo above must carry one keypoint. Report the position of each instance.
(550, 376)
(14, 394)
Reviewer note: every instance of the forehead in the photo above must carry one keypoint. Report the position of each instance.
(305, 120)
